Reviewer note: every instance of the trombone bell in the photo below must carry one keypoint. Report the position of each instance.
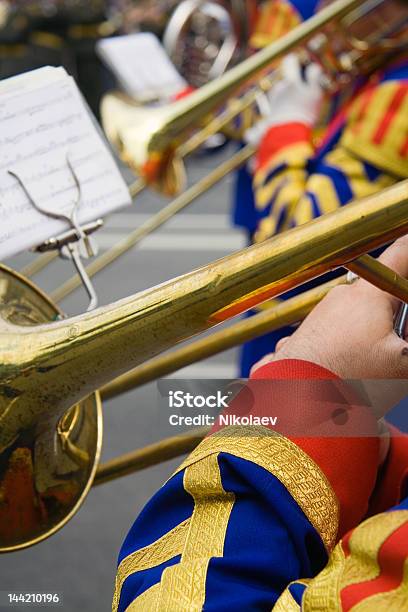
(128, 127)
(47, 468)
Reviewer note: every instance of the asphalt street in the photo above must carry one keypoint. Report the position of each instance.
(80, 560)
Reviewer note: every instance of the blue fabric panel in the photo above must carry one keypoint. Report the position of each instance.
(138, 583)
(305, 8)
(269, 542)
(152, 522)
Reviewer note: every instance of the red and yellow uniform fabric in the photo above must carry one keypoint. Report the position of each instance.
(275, 18)
(251, 511)
(364, 150)
(367, 570)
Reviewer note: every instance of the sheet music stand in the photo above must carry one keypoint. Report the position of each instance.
(74, 243)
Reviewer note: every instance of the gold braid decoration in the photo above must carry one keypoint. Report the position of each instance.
(298, 473)
(360, 566)
(183, 585)
(147, 601)
(366, 540)
(323, 593)
(286, 602)
(163, 549)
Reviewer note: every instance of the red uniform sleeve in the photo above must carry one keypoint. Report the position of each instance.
(324, 417)
(392, 482)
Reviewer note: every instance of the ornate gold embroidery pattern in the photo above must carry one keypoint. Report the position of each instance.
(395, 601)
(323, 592)
(183, 585)
(163, 549)
(286, 603)
(146, 602)
(361, 565)
(300, 475)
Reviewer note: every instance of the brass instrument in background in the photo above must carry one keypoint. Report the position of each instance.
(149, 139)
(203, 39)
(51, 370)
(153, 140)
(54, 33)
(17, 17)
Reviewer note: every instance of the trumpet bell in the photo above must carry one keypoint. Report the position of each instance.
(47, 467)
(129, 127)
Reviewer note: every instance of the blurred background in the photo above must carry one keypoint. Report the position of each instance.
(35, 33)
(80, 560)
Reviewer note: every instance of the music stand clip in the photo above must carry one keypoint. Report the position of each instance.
(74, 243)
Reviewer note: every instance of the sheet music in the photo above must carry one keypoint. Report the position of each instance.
(141, 65)
(43, 120)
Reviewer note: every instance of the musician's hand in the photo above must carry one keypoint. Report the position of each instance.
(296, 98)
(351, 333)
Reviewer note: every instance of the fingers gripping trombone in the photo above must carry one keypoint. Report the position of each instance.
(401, 318)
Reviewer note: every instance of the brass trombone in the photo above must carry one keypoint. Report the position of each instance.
(153, 141)
(50, 413)
(148, 139)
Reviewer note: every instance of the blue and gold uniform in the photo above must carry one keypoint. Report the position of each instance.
(251, 518)
(364, 150)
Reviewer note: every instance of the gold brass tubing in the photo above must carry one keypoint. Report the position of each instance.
(49, 367)
(136, 187)
(217, 123)
(157, 220)
(380, 275)
(137, 460)
(189, 111)
(286, 312)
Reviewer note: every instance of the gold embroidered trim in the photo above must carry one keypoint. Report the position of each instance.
(367, 538)
(163, 549)
(286, 602)
(183, 585)
(146, 602)
(361, 565)
(298, 473)
(323, 592)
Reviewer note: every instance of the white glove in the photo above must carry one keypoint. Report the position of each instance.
(296, 98)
